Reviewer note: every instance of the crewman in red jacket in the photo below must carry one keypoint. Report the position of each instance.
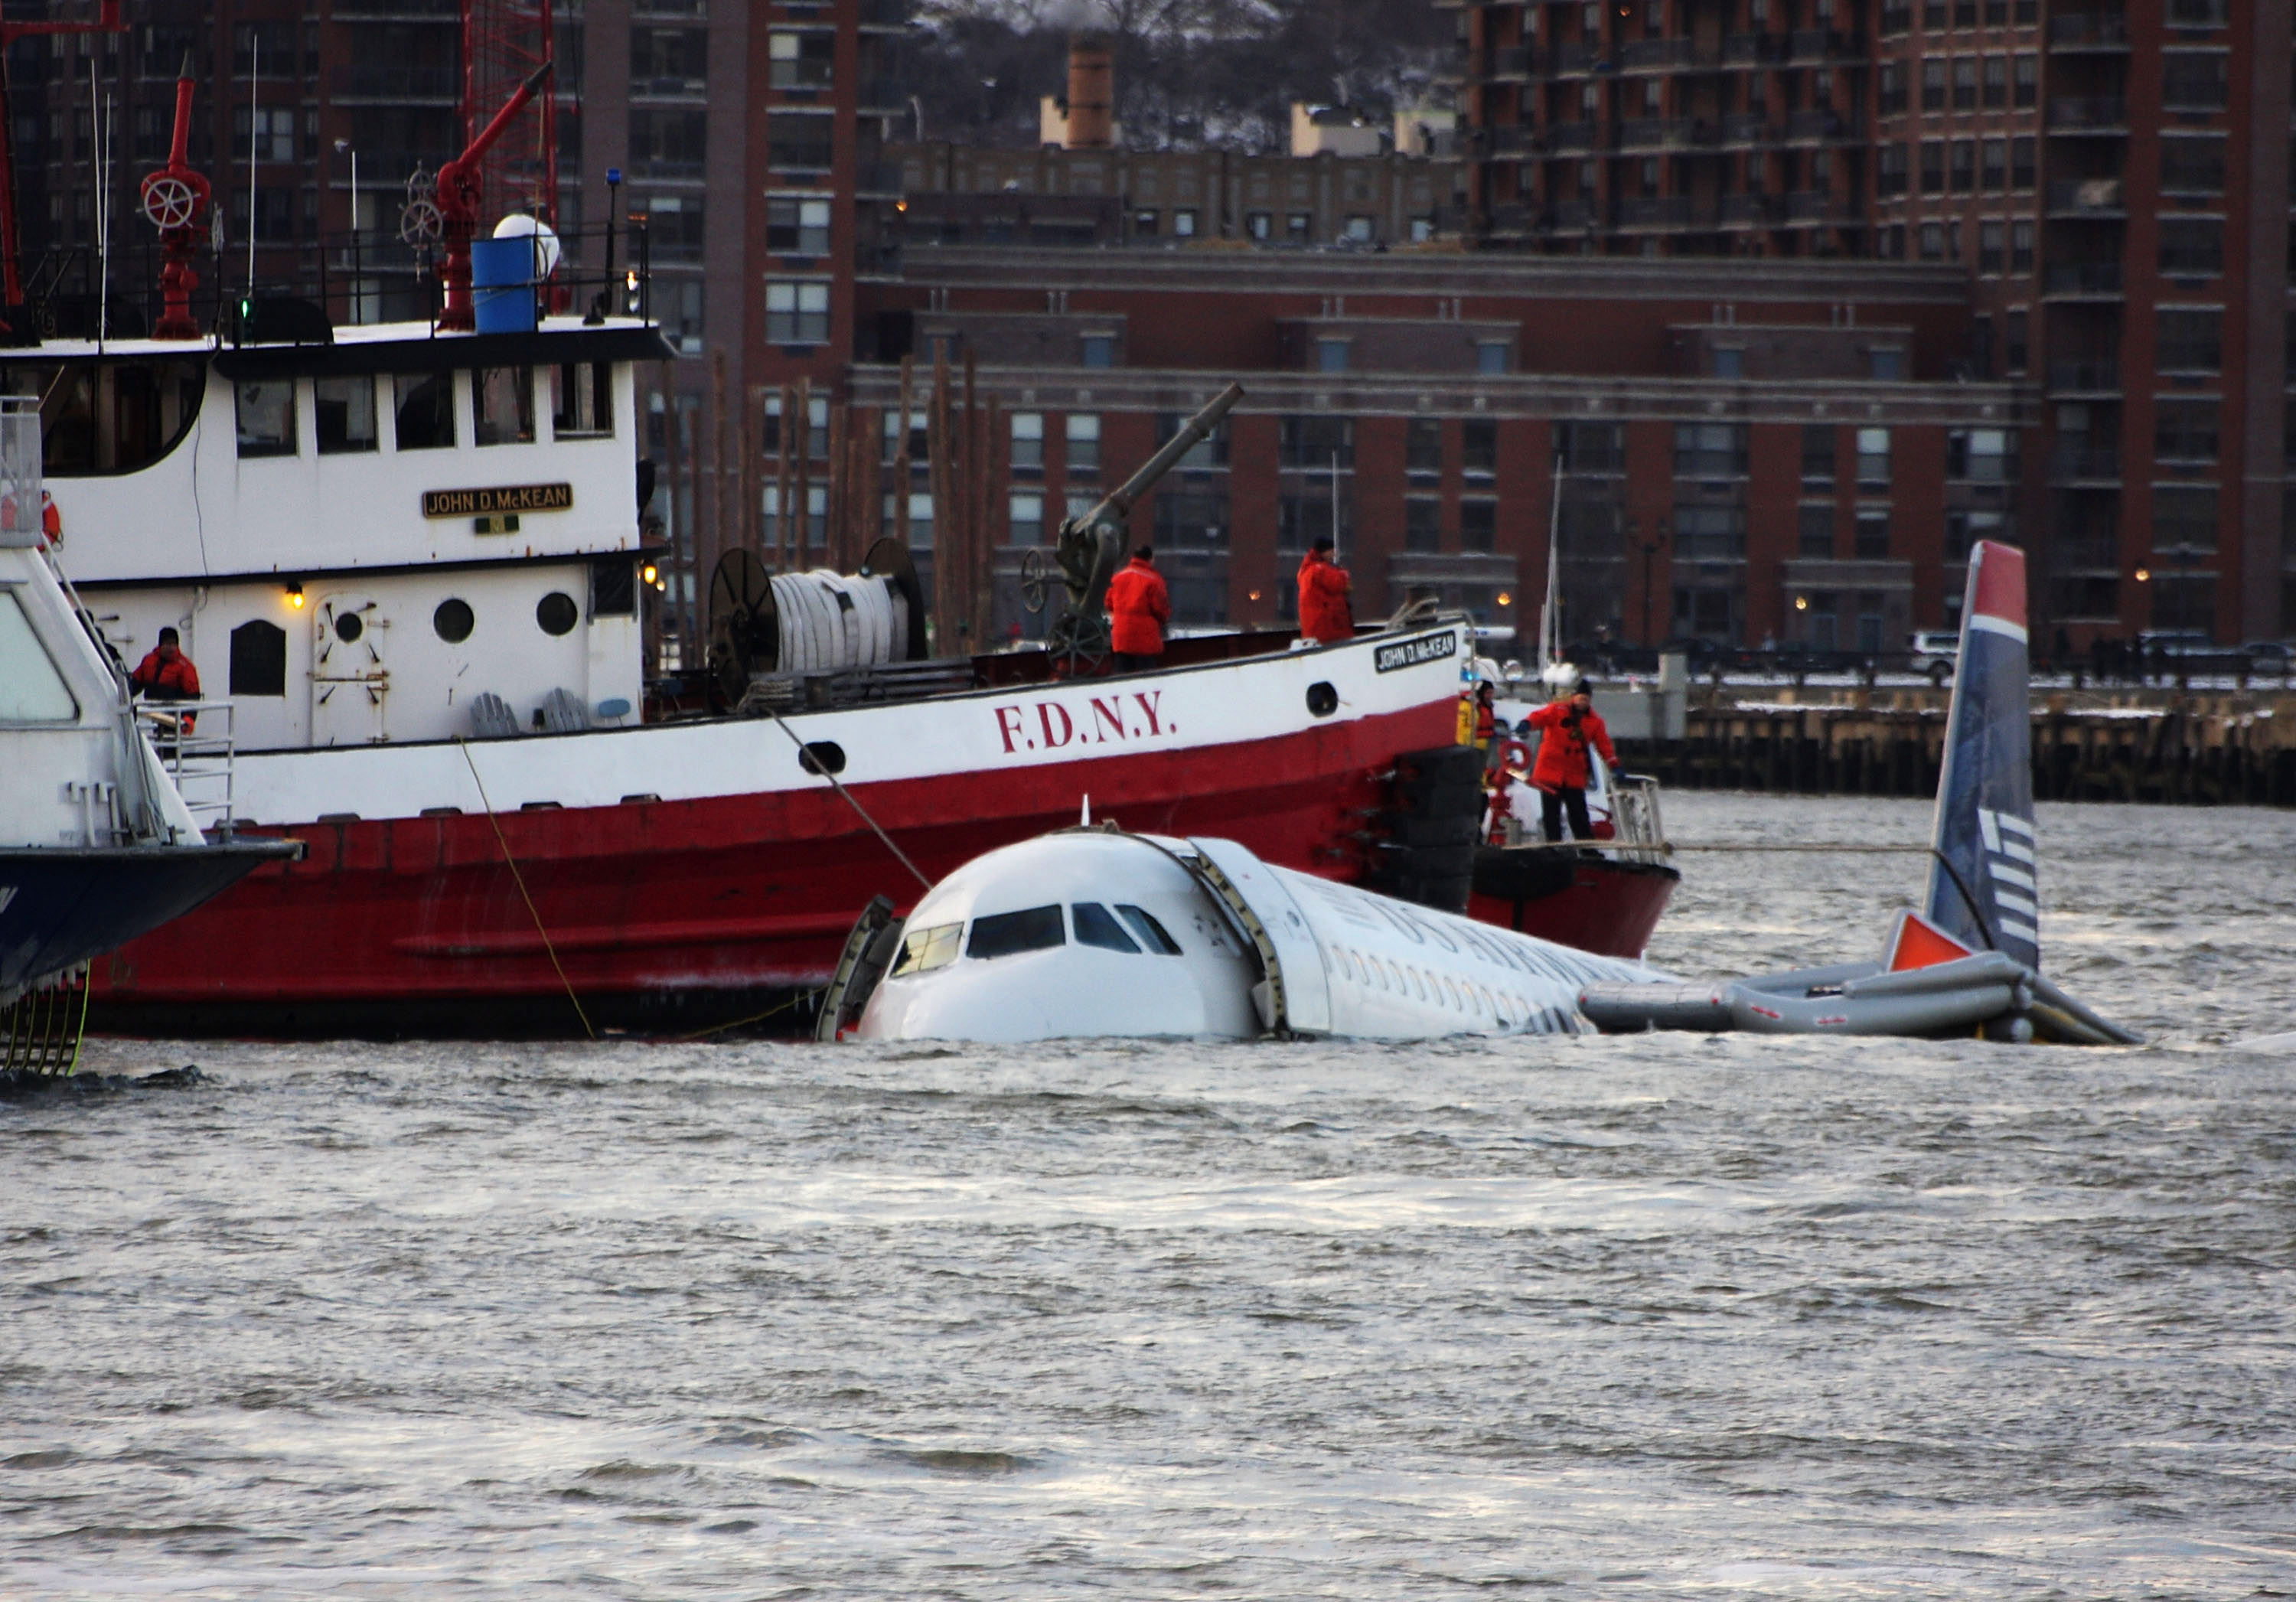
(1138, 608)
(167, 674)
(1325, 615)
(1566, 728)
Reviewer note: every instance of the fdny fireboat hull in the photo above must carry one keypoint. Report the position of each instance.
(1592, 902)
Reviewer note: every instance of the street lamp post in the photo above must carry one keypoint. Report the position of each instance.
(1650, 563)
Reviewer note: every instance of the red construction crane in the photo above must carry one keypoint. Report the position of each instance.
(505, 44)
(12, 268)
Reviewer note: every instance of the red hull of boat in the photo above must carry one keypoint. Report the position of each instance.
(1610, 908)
(666, 914)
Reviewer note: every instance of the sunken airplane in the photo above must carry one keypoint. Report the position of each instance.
(1099, 933)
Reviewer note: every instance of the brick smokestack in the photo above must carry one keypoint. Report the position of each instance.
(1092, 93)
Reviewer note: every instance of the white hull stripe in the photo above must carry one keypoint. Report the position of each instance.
(2000, 626)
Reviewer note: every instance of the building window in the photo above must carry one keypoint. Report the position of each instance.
(266, 417)
(2196, 14)
(1873, 458)
(2020, 247)
(1991, 249)
(274, 133)
(1025, 519)
(1704, 532)
(2016, 332)
(1872, 534)
(1995, 166)
(672, 61)
(1299, 226)
(1314, 442)
(1422, 524)
(798, 60)
(1494, 357)
(1817, 531)
(1478, 525)
(1183, 222)
(2191, 340)
(1478, 447)
(1710, 450)
(1932, 242)
(1965, 83)
(1028, 442)
(1892, 88)
(797, 312)
(424, 408)
(1890, 164)
(1885, 364)
(1592, 448)
(1258, 225)
(345, 414)
(2193, 164)
(2192, 247)
(2184, 431)
(796, 227)
(504, 398)
(1817, 441)
(1144, 224)
(673, 144)
(2021, 161)
(1933, 84)
(1100, 350)
(1729, 362)
(1996, 81)
(1964, 165)
(673, 227)
(795, 141)
(2184, 517)
(1980, 455)
(1933, 167)
(2194, 81)
(1423, 450)
(1331, 356)
(1083, 440)
(2029, 79)
(1356, 230)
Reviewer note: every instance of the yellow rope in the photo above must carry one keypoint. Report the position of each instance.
(519, 879)
(757, 1018)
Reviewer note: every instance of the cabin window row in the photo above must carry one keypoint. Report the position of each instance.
(423, 411)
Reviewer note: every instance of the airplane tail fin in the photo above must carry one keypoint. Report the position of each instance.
(1983, 889)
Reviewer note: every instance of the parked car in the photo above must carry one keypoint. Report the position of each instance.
(1934, 652)
(2269, 659)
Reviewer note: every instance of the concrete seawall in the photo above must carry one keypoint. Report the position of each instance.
(2205, 748)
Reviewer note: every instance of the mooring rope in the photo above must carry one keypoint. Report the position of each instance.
(822, 769)
(519, 879)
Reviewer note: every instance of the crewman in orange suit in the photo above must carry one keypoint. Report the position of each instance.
(1325, 615)
(1138, 607)
(167, 674)
(1567, 727)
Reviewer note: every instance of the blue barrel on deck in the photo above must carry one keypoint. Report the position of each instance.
(502, 284)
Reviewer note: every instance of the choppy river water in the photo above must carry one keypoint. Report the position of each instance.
(1666, 1317)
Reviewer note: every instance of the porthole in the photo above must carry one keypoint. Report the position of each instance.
(348, 627)
(822, 757)
(1323, 700)
(453, 621)
(556, 614)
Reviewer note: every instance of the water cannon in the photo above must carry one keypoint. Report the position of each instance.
(176, 202)
(459, 199)
(1090, 546)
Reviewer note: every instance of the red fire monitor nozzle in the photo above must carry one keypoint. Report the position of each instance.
(176, 202)
(458, 205)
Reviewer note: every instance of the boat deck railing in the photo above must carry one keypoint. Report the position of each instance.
(197, 744)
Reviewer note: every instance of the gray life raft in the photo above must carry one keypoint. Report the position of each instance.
(1989, 990)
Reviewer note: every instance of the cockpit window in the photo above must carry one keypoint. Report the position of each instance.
(1096, 926)
(1005, 933)
(926, 949)
(1150, 933)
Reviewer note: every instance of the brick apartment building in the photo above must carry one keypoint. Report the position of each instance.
(2113, 184)
(1421, 401)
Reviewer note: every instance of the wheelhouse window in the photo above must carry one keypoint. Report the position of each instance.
(31, 689)
(107, 417)
(425, 410)
(345, 415)
(582, 400)
(505, 405)
(266, 417)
